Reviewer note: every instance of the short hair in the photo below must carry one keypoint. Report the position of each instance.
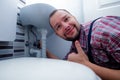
(56, 11)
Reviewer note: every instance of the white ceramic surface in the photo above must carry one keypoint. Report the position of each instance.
(44, 69)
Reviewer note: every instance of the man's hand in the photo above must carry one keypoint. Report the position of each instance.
(103, 72)
(80, 57)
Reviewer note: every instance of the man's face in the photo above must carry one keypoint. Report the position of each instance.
(65, 25)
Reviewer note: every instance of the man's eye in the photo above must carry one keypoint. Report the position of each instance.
(66, 19)
(58, 27)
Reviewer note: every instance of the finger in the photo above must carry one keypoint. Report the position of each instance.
(78, 47)
(70, 56)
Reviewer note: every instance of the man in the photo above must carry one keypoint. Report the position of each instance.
(97, 47)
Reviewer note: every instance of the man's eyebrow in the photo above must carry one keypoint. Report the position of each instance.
(64, 17)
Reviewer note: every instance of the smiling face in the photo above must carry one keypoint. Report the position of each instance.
(65, 25)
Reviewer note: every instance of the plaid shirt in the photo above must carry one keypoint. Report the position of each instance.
(105, 41)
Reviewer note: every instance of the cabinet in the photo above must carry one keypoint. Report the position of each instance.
(97, 8)
(8, 19)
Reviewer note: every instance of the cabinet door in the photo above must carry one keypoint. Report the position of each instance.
(8, 18)
(97, 8)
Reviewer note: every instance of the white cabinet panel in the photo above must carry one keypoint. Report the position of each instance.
(8, 18)
(103, 2)
(97, 8)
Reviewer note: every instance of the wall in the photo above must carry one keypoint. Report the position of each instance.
(15, 48)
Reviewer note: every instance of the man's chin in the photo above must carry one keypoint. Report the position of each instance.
(71, 39)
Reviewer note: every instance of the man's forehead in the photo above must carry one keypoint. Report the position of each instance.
(59, 14)
(62, 12)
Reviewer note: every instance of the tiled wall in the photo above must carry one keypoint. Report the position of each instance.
(17, 47)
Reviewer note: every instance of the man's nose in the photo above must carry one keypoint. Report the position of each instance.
(65, 26)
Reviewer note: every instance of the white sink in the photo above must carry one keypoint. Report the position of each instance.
(37, 15)
(44, 69)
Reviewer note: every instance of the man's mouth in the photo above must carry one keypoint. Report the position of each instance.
(69, 31)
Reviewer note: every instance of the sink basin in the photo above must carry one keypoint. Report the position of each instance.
(37, 15)
(28, 68)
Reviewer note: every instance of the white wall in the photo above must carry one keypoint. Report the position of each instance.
(55, 44)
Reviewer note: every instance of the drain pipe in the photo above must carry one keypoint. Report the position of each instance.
(43, 39)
